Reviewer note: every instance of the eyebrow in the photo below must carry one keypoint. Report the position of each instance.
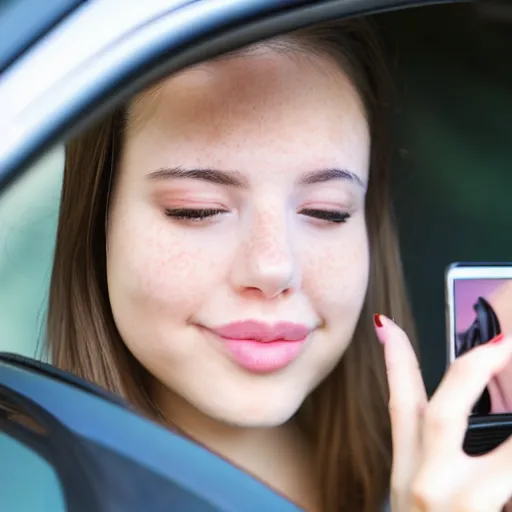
(238, 180)
(324, 175)
(228, 178)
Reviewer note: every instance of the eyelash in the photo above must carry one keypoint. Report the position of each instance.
(193, 214)
(198, 215)
(333, 216)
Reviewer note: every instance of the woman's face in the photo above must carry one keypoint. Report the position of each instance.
(237, 246)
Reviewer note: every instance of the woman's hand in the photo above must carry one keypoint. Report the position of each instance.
(500, 388)
(431, 472)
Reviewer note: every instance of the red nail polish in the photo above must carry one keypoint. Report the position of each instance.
(376, 320)
(497, 339)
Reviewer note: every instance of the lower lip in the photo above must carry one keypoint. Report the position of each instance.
(264, 357)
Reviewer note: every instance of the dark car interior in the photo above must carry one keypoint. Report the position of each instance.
(453, 153)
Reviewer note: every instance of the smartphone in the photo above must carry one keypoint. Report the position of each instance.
(479, 307)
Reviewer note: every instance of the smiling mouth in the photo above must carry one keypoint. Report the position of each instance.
(263, 332)
(263, 348)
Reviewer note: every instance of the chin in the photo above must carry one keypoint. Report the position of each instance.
(251, 414)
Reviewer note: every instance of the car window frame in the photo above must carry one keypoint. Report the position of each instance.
(185, 35)
(23, 22)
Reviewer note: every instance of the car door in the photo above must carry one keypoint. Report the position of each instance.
(68, 445)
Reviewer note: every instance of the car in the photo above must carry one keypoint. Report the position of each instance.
(63, 449)
(63, 64)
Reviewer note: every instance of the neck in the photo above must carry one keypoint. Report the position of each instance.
(281, 457)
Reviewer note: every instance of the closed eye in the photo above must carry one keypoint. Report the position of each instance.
(334, 216)
(193, 214)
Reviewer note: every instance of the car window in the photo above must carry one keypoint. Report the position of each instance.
(27, 480)
(28, 214)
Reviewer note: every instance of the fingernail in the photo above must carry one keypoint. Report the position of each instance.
(497, 339)
(379, 331)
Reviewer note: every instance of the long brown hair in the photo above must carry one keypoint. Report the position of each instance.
(346, 416)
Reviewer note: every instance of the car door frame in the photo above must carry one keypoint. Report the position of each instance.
(170, 36)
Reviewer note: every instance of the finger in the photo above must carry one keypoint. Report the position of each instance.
(447, 414)
(490, 487)
(498, 405)
(407, 398)
(500, 460)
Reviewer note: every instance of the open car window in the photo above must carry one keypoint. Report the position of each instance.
(450, 167)
(443, 138)
(28, 226)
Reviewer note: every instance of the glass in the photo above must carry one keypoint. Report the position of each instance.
(28, 482)
(28, 224)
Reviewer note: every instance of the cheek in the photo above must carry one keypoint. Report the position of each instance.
(153, 266)
(336, 273)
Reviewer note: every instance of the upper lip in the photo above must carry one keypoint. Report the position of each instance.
(260, 331)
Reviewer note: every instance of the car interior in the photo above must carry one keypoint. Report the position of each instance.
(452, 153)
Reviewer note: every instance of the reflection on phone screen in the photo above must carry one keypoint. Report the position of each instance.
(482, 310)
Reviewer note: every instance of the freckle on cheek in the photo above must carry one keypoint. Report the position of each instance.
(171, 272)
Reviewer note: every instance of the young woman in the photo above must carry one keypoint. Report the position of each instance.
(223, 244)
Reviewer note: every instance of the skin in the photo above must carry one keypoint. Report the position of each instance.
(272, 119)
(500, 388)
(431, 473)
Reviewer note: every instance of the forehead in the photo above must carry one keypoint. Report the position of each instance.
(263, 99)
(261, 77)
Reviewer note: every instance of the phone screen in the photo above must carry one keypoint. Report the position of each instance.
(479, 300)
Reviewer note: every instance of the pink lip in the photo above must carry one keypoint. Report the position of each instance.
(263, 348)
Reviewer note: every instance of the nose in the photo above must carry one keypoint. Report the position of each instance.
(266, 261)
